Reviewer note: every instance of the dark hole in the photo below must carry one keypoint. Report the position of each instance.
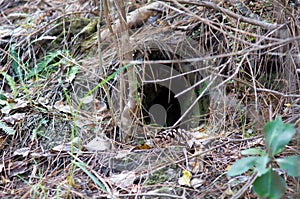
(159, 96)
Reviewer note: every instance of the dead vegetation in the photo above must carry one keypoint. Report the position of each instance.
(79, 79)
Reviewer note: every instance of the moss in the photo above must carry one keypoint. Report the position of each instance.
(161, 176)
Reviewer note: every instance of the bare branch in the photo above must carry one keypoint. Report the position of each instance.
(212, 5)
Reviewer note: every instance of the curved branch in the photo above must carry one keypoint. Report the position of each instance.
(212, 5)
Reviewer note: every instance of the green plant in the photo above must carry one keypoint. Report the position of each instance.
(39, 129)
(268, 184)
(8, 130)
(16, 62)
(74, 114)
(10, 82)
(82, 166)
(37, 190)
(48, 64)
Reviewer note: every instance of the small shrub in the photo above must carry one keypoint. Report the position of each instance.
(268, 183)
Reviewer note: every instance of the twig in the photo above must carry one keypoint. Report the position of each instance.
(102, 71)
(95, 173)
(274, 45)
(212, 5)
(158, 195)
(277, 93)
(100, 56)
(245, 187)
(158, 167)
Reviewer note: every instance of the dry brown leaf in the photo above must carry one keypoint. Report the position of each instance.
(141, 147)
(18, 104)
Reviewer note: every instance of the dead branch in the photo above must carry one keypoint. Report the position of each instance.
(134, 19)
(241, 18)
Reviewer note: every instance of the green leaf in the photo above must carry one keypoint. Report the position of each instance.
(290, 164)
(242, 165)
(269, 185)
(15, 62)
(253, 151)
(11, 83)
(91, 176)
(261, 165)
(48, 63)
(203, 87)
(3, 97)
(277, 135)
(71, 74)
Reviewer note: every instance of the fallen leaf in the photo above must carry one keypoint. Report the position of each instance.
(71, 182)
(123, 180)
(100, 106)
(122, 154)
(87, 99)
(1, 167)
(13, 119)
(23, 152)
(98, 144)
(17, 168)
(67, 146)
(4, 180)
(59, 105)
(185, 179)
(196, 182)
(141, 147)
(15, 105)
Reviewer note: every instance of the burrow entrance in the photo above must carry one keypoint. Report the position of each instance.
(167, 93)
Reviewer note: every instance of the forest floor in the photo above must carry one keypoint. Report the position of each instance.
(61, 133)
